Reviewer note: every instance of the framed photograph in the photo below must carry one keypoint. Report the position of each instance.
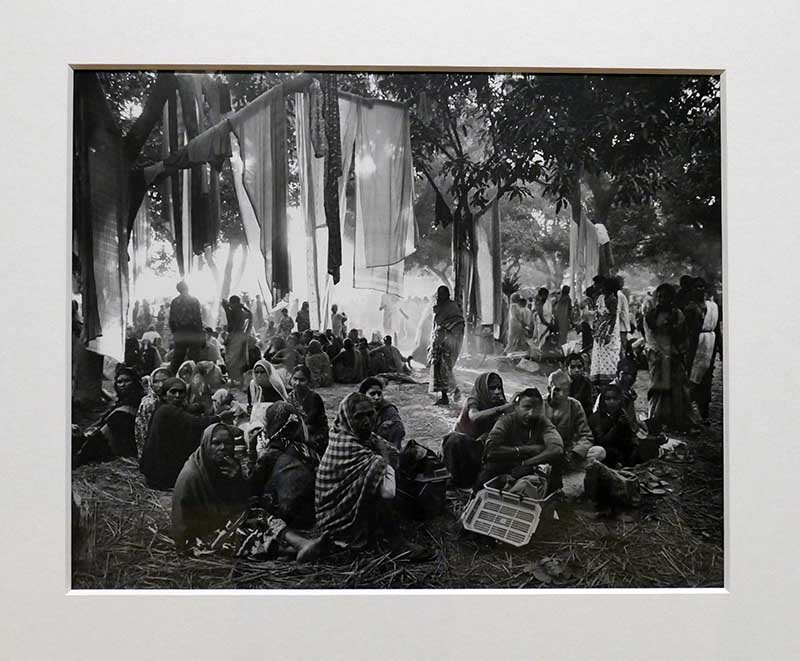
(371, 348)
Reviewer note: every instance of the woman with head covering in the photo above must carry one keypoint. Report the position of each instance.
(211, 491)
(667, 342)
(562, 315)
(310, 404)
(186, 371)
(148, 405)
(463, 448)
(518, 330)
(614, 439)
(347, 366)
(446, 339)
(114, 435)
(174, 434)
(285, 464)
(240, 320)
(355, 484)
(319, 366)
(606, 336)
(266, 385)
(389, 424)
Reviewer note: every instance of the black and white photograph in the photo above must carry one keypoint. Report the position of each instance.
(396, 329)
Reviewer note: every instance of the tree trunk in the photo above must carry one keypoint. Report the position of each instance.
(151, 115)
(87, 375)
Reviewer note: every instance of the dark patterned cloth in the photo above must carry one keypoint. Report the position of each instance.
(333, 170)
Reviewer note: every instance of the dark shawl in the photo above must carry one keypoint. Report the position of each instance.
(204, 499)
(478, 398)
(174, 435)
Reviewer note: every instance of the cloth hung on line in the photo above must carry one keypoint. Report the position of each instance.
(311, 173)
(384, 184)
(261, 133)
(334, 170)
(101, 207)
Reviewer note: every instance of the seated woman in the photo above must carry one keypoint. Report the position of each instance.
(114, 434)
(311, 406)
(288, 357)
(174, 435)
(580, 387)
(569, 419)
(148, 405)
(389, 424)
(266, 385)
(186, 371)
(614, 442)
(285, 465)
(355, 485)
(211, 491)
(462, 450)
(347, 366)
(319, 365)
(626, 378)
(521, 441)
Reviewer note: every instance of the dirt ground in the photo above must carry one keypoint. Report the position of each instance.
(670, 540)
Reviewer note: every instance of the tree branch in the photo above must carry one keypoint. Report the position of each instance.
(151, 115)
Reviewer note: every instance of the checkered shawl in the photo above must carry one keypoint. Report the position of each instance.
(349, 472)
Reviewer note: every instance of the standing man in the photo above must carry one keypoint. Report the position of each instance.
(186, 324)
(337, 321)
(303, 318)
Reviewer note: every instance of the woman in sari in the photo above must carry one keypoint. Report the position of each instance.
(389, 424)
(355, 485)
(462, 449)
(563, 315)
(310, 404)
(211, 491)
(186, 371)
(319, 365)
(285, 464)
(148, 405)
(606, 337)
(174, 434)
(518, 331)
(266, 385)
(348, 365)
(114, 434)
(239, 323)
(665, 332)
(446, 340)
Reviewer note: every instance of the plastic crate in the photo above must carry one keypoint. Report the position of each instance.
(508, 518)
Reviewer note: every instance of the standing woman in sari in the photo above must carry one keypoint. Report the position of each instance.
(606, 337)
(446, 339)
(667, 342)
(239, 322)
(148, 405)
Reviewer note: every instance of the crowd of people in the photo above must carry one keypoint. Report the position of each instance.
(673, 332)
(255, 473)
